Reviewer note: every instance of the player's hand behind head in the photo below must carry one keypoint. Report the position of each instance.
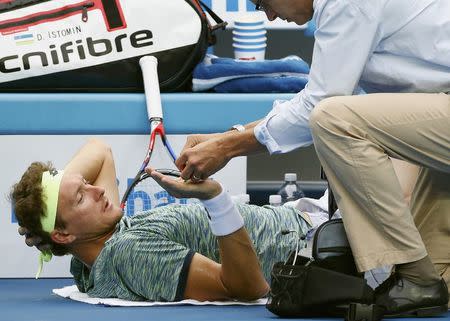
(32, 240)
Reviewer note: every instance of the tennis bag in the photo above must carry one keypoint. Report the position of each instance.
(326, 285)
(95, 45)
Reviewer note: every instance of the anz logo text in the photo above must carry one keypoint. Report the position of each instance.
(140, 200)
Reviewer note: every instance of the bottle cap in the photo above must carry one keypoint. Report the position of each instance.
(241, 198)
(245, 198)
(275, 199)
(290, 177)
(235, 198)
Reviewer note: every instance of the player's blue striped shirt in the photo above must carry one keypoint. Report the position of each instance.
(148, 256)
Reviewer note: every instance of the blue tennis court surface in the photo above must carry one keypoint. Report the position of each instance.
(29, 299)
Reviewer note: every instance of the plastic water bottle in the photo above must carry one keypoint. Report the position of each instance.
(241, 199)
(244, 198)
(290, 191)
(275, 200)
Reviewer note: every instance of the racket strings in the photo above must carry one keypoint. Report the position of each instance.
(163, 138)
(147, 194)
(165, 142)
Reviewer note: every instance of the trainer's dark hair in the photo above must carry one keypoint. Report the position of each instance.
(26, 199)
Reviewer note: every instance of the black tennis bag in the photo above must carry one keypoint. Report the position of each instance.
(322, 286)
(95, 45)
(328, 284)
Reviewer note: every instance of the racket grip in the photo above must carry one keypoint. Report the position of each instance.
(149, 67)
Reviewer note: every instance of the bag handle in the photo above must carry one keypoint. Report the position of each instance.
(220, 24)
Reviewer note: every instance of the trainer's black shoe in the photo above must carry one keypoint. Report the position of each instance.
(401, 297)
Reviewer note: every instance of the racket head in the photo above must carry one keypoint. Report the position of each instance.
(145, 193)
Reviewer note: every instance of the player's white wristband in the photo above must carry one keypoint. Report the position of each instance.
(224, 218)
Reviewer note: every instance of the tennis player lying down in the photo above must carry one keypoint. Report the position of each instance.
(211, 251)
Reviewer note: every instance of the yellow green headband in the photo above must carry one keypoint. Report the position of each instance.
(50, 191)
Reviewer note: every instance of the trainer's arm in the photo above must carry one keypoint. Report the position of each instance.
(203, 155)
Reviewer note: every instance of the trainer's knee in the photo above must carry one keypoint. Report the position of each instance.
(325, 116)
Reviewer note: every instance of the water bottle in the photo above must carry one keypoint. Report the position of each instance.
(241, 199)
(275, 200)
(290, 191)
(244, 198)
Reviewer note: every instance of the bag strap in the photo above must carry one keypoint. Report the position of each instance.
(332, 205)
(220, 24)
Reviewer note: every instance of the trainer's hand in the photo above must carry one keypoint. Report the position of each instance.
(32, 240)
(179, 188)
(193, 140)
(202, 156)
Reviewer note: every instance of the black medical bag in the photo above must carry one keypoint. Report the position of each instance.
(328, 284)
(95, 45)
(322, 286)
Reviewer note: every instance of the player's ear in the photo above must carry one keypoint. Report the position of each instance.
(62, 237)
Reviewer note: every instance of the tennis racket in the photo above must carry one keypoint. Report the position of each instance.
(146, 194)
(149, 67)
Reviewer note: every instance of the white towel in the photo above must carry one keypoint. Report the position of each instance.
(71, 292)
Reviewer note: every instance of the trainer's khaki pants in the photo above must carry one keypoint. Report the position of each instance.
(354, 137)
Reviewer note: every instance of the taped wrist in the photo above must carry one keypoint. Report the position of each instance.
(224, 218)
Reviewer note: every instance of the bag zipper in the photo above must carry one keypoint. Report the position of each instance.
(51, 15)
